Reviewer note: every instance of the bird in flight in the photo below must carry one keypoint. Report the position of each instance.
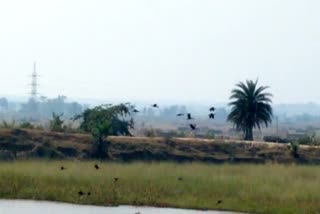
(180, 114)
(189, 116)
(62, 168)
(155, 105)
(96, 166)
(81, 193)
(212, 109)
(211, 115)
(219, 202)
(193, 126)
(135, 111)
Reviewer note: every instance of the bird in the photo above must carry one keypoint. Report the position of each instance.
(81, 193)
(89, 193)
(137, 213)
(211, 115)
(193, 126)
(189, 116)
(115, 179)
(212, 109)
(219, 202)
(155, 105)
(96, 166)
(135, 111)
(180, 179)
(62, 168)
(180, 114)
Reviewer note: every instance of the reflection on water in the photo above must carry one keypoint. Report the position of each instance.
(36, 207)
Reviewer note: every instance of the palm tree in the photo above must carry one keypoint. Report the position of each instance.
(251, 107)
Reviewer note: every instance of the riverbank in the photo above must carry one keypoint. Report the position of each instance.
(243, 188)
(22, 144)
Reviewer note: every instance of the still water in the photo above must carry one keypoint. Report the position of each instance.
(37, 207)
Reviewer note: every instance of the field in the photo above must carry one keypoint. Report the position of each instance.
(267, 188)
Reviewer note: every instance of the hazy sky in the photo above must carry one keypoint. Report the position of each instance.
(188, 51)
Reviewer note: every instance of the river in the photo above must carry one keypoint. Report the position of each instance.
(44, 207)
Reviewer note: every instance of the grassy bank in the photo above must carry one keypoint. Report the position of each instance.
(18, 144)
(251, 188)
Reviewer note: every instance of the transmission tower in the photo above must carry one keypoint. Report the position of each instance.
(34, 82)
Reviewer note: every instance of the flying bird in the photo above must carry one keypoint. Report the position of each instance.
(189, 116)
(180, 114)
(212, 109)
(62, 168)
(155, 105)
(81, 193)
(96, 166)
(116, 179)
(180, 179)
(219, 202)
(211, 115)
(135, 111)
(193, 126)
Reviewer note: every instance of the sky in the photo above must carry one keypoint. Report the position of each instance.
(176, 51)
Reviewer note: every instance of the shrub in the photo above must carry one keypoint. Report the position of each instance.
(309, 139)
(56, 123)
(294, 149)
(26, 125)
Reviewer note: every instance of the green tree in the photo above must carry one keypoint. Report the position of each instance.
(251, 107)
(56, 123)
(106, 120)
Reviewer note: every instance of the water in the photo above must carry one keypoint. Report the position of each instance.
(43, 207)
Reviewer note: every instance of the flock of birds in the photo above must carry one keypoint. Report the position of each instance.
(193, 126)
(115, 180)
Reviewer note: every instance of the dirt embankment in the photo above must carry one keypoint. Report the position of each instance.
(24, 144)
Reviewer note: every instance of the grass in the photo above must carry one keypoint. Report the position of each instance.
(249, 188)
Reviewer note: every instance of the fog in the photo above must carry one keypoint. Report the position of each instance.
(169, 50)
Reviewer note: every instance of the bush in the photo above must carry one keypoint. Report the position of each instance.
(8, 125)
(310, 139)
(295, 149)
(56, 123)
(26, 125)
(275, 139)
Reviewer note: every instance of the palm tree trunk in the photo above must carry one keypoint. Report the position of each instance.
(248, 134)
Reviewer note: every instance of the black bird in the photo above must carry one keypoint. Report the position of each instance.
(62, 168)
(115, 179)
(180, 114)
(155, 105)
(211, 115)
(180, 179)
(193, 126)
(89, 193)
(135, 111)
(219, 202)
(189, 116)
(81, 193)
(212, 109)
(96, 166)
